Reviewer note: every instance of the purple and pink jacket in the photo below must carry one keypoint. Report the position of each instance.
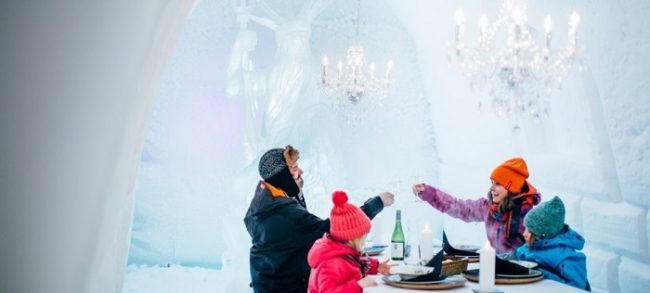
(478, 210)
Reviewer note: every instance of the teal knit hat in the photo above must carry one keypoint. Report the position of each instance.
(547, 220)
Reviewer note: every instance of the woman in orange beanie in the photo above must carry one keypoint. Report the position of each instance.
(510, 197)
(335, 260)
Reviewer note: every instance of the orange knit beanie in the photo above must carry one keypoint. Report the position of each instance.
(511, 174)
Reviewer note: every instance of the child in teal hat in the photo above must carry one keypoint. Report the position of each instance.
(553, 245)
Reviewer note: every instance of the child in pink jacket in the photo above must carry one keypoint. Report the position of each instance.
(335, 260)
(503, 211)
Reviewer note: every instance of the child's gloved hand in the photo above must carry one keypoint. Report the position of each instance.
(367, 282)
(384, 268)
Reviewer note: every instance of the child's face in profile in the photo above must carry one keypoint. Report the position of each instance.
(359, 243)
(529, 237)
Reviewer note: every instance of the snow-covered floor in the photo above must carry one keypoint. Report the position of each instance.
(149, 279)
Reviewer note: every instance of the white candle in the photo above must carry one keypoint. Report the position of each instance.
(548, 24)
(574, 21)
(486, 268)
(459, 18)
(339, 66)
(483, 27)
(389, 67)
(426, 243)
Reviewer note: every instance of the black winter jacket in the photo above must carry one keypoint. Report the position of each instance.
(283, 232)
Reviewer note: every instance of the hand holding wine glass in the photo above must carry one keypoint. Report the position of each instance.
(387, 198)
(417, 188)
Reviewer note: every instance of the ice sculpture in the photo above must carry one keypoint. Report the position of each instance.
(280, 103)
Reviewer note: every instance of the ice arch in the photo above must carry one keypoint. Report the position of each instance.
(194, 186)
(80, 82)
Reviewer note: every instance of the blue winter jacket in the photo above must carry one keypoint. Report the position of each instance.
(558, 259)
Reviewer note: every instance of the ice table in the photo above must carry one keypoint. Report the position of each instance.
(544, 285)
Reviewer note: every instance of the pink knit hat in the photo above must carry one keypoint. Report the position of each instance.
(347, 221)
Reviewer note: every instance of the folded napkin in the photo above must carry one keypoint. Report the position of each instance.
(504, 267)
(453, 251)
(436, 264)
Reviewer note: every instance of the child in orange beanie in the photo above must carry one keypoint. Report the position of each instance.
(510, 197)
(335, 260)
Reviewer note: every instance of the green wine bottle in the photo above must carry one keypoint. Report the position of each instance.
(397, 241)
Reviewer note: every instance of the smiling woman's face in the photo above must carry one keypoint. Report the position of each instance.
(498, 192)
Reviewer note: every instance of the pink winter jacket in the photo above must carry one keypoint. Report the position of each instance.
(479, 211)
(335, 267)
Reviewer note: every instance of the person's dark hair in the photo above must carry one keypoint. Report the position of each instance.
(508, 203)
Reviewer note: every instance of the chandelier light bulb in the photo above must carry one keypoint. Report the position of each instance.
(483, 23)
(389, 68)
(518, 16)
(459, 17)
(574, 20)
(548, 24)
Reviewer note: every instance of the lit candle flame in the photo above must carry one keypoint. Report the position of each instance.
(548, 24)
(574, 20)
(459, 17)
(484, 22)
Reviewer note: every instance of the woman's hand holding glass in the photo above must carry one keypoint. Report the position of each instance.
(417, 189)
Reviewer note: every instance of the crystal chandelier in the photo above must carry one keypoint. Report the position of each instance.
(353, 81)
(517, 74)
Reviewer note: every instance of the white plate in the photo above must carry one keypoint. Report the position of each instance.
(410, 270)
(398, 279)
(525, 263)
(375, 250)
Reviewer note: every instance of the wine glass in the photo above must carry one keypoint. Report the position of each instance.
(416, 179)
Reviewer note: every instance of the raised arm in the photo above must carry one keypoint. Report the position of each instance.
(372, 207)
(467, 210)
